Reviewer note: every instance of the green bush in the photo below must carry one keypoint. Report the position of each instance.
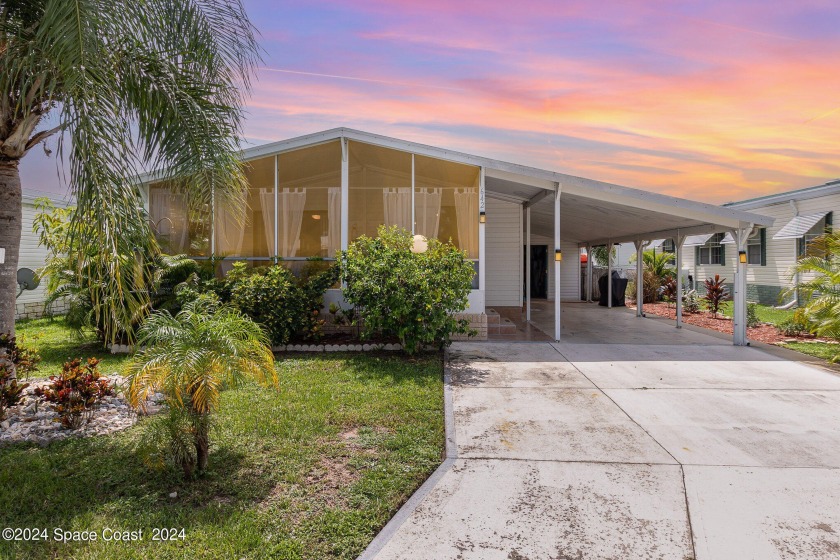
(288, 307)
(691, 302)
(752, 315)
(412, 296)
(797, 325)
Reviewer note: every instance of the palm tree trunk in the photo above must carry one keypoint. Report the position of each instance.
(11, 217)
(202, 443)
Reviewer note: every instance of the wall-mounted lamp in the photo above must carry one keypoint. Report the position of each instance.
(742, 257)
(558, 255)
(316, 216)
(482, 217)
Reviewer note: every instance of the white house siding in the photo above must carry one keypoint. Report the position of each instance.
(503, 247)
(30, 304)
(765, 283)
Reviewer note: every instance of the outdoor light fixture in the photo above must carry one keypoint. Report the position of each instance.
(742, 257)
(482, 217)
(420, 245)
(558, 255)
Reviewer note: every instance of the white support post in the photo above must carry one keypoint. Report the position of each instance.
(482, 256)
(345, 195)
(413, 210)
(739, 297)
(640, 278)
(557, 263)
(589, 273)
(609, 274)
(276, 252)
(679, 240)
(528, 263)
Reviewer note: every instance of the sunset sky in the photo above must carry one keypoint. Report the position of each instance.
(712, 100)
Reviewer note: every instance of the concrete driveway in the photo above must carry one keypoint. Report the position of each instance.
(619, 451)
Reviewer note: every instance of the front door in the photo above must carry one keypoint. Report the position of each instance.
(539, 270)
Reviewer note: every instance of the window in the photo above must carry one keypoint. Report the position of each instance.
(446, 202)
(251, 234)
(712, 252)
(380, 189)
(755, 248)
(178, 228)
(668, 246)
(820, 228)
(309, 202)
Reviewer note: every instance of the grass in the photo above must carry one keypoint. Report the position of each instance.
(823, 350)
(57, 344)
(766, 313)
(310, 470)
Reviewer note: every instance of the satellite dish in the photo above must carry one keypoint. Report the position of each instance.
(27, 279)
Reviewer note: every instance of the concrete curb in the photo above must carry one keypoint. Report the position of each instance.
(390, 529)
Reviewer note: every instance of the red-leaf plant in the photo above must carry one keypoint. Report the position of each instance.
(716, 293)
(77, 392)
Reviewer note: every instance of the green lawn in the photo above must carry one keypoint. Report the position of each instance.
(766, 313)
(57, 344)
(822, 350)
(310, 470)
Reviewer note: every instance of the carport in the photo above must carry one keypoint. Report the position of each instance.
(568, 213)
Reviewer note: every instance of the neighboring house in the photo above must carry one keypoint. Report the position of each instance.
(800, 216)
(311, 196)
(30, 303)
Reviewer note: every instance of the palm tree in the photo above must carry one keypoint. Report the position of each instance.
(190, 357)
(821, 294)
(130, 85)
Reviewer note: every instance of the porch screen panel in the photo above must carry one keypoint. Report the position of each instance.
(446, 202)
(380, 189)
(249, 235)
(309, 201)
(178, 228)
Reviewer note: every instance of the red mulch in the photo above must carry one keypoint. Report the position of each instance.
(763, 333)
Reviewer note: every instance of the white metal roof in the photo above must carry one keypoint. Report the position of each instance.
(592, 211)
(799, 226)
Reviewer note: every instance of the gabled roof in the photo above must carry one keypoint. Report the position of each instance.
(831, 187)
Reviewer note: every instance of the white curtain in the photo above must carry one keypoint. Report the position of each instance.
(267, 205)
(427, 211)
(230, 233)
(397, 203)
(168, 217)
(466, 211)
(292, 202)
(333, 240)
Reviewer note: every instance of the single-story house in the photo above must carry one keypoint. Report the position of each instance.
(30, 303)
(311, 196)
(800, 216)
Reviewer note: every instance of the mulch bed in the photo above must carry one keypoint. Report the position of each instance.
(763, 333)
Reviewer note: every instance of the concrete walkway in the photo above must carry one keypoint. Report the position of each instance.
(576, 450)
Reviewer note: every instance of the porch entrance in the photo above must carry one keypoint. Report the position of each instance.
(539, 271)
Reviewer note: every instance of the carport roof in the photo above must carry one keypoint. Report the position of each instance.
(591, 211)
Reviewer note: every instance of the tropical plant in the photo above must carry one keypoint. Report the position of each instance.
(412, 296)
(819, 295)
(10, 390)
(19, 359)
(158, 275)
(77, 392)
(691, 301)
(796, 325)
(189, 357)
(669, 290)
(129, 86)
(716, 293)
(752, 315)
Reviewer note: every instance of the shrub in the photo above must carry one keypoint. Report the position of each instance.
(691, 302)
(77, 392)
(669, 290)
(752, 315)
(716, 293)
(10, 390)
(797, 325)
(23, 359)
(287, 306)
(412, 296)
(190, 357)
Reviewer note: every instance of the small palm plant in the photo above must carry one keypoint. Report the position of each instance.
(820, 295)
(190, 357)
